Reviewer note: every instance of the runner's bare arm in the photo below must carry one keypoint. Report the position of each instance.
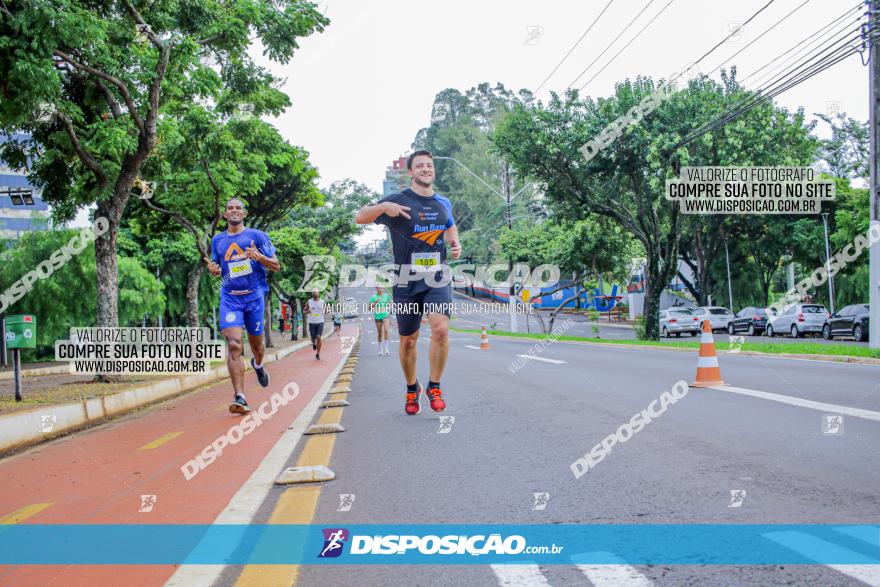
(270, 263)
(368, 214)
(213, 267)
(451, 236)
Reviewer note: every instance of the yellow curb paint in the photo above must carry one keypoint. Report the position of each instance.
(330, 416)
(297, 505)
(24, 513)
(317, 451)
(161, 440)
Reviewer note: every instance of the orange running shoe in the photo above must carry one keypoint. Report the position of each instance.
(413, 402)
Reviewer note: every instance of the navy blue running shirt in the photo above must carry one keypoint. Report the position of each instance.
(418, 240)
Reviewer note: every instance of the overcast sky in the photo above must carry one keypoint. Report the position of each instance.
(363, 88)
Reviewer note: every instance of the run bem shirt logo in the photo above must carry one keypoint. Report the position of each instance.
(334, 541)
(421, 233)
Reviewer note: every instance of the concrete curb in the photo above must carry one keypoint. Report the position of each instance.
(24, 428)
(823, 358)
(59, 370)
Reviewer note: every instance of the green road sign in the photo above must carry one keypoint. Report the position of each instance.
(21, 332)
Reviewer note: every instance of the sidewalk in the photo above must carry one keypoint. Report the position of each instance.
(103, 475)
(58, 386)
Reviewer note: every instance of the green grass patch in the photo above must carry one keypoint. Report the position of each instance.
(772, 348)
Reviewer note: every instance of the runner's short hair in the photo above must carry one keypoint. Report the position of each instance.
(409, 159)
(239, 200)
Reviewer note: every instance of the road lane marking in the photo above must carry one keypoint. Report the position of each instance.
(611, 575)
(161, 440)
(817, 549)
(554, 361)
(243, 507)
(470, 346)
(330, 416)
(295, 506)
(803, 403)
(524, 575)
(24, 513)
(317, 451)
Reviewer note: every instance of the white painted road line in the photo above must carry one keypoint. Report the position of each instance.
(554, 361)
(519, 575)
(803, 403)
(470, 346)
(616, 575)
(816, 548)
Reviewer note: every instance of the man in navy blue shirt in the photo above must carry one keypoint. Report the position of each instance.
(242, 256)
(420, 222)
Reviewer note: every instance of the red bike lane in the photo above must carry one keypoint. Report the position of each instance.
(99, 476)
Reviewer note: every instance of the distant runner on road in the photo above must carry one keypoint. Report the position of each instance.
(242, 256)
(420, 221)
(316, 322)
(379, 305)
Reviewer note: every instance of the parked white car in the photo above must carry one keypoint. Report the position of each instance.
(798, 319)
(717, 316)
(678, 320)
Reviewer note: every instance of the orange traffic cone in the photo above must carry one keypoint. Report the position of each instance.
(708, 371)
(484, 339)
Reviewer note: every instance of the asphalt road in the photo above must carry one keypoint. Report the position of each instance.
(516, 434)
(473, 314)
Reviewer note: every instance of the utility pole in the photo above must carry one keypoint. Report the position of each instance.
(512, 288)
(729, 285)
(874, 125)
(827, 259)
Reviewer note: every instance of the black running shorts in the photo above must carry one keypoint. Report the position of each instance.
(412, 303)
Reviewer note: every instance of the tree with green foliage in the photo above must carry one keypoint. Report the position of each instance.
(67, 297)
(625, 181)
(90, 81)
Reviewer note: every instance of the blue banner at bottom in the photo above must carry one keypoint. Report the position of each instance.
(38, 544)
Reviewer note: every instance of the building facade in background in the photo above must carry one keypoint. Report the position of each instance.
(396, 177)
(22, 208)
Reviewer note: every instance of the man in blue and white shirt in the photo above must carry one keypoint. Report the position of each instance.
(242, 256)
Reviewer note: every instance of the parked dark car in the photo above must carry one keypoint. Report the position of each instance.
(849, 321)
(751, 320)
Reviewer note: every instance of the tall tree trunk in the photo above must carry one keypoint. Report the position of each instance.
(193, 280)
(653, 289)
(107, 268)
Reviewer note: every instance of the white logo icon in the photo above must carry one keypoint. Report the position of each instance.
(245, 111)
(737, 497)
(147, 503)
(736, 343)
(47, 422)
(346, 500)
(832, 424)
(446, 423)
(347, 343)
(533, 35)
(541, 500)
(832, 108)
(440, 112)
(230, 316)
(735, 30)
(27, 333)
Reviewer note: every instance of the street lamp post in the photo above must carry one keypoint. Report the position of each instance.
(509, 213)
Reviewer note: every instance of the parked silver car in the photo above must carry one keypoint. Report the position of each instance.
(798, 319)
(678, 320)
(717, 316)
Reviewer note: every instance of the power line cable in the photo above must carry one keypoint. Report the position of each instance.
(573, 47)
(611, 43)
